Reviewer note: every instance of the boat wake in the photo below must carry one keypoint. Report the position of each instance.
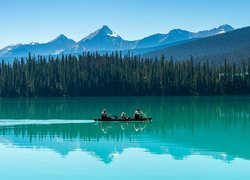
(14, 122)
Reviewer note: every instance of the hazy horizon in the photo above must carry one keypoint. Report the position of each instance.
(42, 21)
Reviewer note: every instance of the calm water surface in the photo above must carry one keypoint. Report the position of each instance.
(189, 138)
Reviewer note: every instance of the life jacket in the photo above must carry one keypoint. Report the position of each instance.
(104, 115)
(137, 116)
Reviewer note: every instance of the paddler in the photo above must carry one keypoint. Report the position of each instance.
(138, 114)
(123, 116)
(105, 115)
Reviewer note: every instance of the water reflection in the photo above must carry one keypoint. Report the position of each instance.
(108, 127)
(182, 108)
(105, 139)
(218, 127)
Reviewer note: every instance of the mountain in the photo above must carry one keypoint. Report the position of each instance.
(233, 46)
(106, 40)
(54, 47)
(220, 30)
(178, 35)
(9, 49)
(161, 39)
(103, 39)
(60, 44)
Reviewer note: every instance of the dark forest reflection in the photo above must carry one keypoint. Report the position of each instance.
(180, 108)
(181, 126)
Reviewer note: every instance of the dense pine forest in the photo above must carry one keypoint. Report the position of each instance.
(92, 74)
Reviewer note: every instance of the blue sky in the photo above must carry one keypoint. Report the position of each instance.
(23, 21)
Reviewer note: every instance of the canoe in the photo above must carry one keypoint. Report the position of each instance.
(124, 120)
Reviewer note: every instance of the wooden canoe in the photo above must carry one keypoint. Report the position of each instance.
(123, 120)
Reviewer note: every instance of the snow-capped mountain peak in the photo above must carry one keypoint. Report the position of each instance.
(107, 31)
(8, 49)
(104, 31)
(101, 40)
(224, 28)
(215, 31)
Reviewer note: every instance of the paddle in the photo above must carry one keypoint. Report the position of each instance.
(143, 115)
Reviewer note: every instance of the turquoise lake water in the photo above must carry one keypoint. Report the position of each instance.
(189, 138)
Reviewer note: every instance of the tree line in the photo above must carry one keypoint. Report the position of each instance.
(93, 74)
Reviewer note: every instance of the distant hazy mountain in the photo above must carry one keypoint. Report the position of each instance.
(220, 30)
(161, 39)
(54, 47)
(233, 46)
(178, 35)
(104, 39)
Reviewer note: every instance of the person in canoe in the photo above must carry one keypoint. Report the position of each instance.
(123, 116)
(105, 115)
(138, 114)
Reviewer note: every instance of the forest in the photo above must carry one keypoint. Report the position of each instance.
(93, 74)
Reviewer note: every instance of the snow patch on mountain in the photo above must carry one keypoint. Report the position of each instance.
(9, 48)
(58, 51)
(33, 43)
(113, 34)
(221, 32)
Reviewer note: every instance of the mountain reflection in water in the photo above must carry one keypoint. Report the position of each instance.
(218, 127)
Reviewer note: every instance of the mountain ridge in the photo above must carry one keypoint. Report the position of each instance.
(232, 46)
(104, 39)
